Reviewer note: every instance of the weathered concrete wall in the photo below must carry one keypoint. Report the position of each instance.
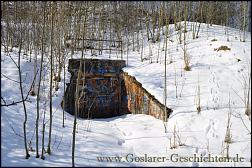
(140, 101)
(107, 91)
(102, 92)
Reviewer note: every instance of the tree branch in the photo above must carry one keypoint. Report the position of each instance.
(15, 103)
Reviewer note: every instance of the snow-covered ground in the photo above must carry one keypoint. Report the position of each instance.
(220, 78)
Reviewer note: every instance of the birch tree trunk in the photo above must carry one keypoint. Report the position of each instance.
(51, 77)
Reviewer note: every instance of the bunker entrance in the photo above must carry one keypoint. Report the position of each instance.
(102, 91)
(106, 91)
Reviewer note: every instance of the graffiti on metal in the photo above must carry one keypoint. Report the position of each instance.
(100, 86)
(106, 91)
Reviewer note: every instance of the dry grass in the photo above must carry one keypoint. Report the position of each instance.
(32, 93)
(248, 112)
(187, 68)
(224, 48)
(178, 27)
(198, 109)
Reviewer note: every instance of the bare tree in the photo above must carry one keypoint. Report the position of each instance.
(20, 41)
(165, 79)
(245, 83)
(39, 82)
(227, 19)
(198, 107)
(179, 26)
(244, 24)
(185, 53)
(247, 94)
(22, 95)
(76, 112)
(174, 145)
(201, 4)
(52, 5)
(64, 96)
(228, 136)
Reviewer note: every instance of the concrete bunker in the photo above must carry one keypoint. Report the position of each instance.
(107, 91)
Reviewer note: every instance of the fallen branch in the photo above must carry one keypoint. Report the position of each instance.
(15, 103)
(9, 78)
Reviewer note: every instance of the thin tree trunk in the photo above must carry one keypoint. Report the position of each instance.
(51, 80)
(244, 20)
(133, 42)
(142, 47)
(64, 99)
(39, 84)
(227, 20)
(76, 111)
(27, 155)
(165, 84)
(147, 26)
(180, 26)
(43, 141)
(201, 17)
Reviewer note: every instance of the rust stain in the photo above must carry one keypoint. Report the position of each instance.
(142, 102)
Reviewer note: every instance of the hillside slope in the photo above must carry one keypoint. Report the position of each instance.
(218, 73)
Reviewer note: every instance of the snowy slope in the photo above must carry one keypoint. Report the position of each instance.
(219, 74)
